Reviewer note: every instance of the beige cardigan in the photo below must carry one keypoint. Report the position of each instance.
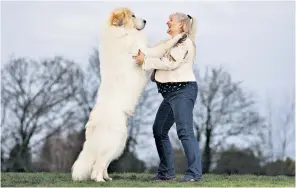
(175, 66)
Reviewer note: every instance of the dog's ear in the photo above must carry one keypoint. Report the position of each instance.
(116, 19)
(119, 18)
(126, 16)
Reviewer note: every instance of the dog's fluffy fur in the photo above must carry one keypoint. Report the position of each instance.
(122, 83)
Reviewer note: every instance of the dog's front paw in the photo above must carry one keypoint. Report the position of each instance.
(178, 36)
(183, 37)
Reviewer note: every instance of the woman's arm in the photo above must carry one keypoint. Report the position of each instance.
(174, 59)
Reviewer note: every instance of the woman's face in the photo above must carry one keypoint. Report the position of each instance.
(174, 25)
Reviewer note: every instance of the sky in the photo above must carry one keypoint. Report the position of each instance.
(254, 41)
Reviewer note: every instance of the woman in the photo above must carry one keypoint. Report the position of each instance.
(176, 82)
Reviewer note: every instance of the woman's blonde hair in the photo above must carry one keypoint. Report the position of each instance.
(188, 24)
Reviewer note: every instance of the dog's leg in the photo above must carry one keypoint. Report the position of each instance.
(98, 170)
(89, 129)
(91, 124)
(161, 49)
(81, 169)
(105, 175)
(93, 173)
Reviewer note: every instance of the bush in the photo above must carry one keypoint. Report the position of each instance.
(280, 167)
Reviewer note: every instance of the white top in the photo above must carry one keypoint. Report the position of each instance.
(175, 66)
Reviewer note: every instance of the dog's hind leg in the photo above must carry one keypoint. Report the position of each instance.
(98, 169)
(81, 169)
(89, 129)
(91, 124)
(105, 175)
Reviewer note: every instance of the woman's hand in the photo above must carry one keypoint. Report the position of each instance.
(139, 58)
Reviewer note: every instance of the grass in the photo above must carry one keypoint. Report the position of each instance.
(141, 180)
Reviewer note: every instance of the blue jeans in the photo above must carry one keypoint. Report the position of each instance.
(177, 106)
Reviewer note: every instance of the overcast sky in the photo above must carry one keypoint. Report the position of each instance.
(254, 41)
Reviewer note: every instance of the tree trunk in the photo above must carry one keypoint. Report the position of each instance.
(198, 134)
(207, 153)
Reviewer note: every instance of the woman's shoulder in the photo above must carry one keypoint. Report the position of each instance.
(188, 43)
(188, 46)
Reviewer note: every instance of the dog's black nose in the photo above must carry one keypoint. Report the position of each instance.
(144, 21)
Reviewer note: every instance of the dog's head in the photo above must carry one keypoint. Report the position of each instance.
(124, 17)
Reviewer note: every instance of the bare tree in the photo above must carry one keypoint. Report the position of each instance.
(90, 83)
(62, 157)
(287, 128)
(281, 127)
(57, 153)
(37, 101)
(270, 132)
(223, 112)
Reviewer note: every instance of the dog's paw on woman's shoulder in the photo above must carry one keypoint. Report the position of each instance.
(183, 38)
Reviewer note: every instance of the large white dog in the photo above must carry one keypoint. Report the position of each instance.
(122, 83)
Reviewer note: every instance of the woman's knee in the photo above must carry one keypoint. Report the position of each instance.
(185, 133)
(156, 130)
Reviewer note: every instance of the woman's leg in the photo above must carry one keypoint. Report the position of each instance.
(183, 113)
(162, 124)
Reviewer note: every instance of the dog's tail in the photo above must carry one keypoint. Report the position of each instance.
(81, 169)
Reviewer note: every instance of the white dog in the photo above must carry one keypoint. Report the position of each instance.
(122, 83)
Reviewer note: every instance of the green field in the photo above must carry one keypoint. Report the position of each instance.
(141, 180)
